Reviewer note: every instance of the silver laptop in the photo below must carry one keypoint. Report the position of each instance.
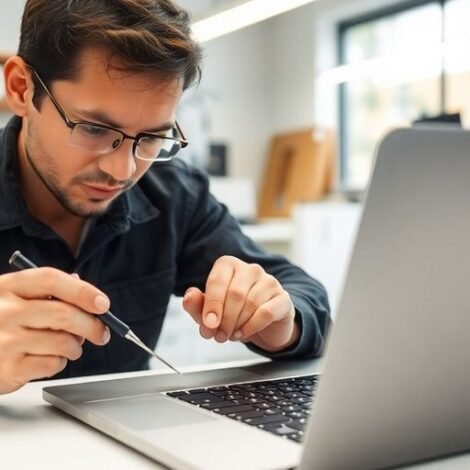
(395, 386)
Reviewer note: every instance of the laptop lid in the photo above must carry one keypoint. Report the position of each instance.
(396, 386)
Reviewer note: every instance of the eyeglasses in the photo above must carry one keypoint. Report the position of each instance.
(101, 139)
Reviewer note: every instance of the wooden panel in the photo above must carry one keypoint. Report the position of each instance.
(300, 167)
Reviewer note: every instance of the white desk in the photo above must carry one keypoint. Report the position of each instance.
(274, 235)
(35, 436)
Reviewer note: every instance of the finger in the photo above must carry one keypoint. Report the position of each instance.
(50, 282)
(80, 340)
(49, 343)
(40, 367)
(216, 288)
(259, 294)
(193, 302)
(242, 282)
(60, 316)
(206, 333)
(269, 312)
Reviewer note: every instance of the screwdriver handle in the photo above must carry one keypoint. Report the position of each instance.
(114, 323)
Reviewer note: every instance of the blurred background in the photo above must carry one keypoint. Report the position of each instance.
(294, 97)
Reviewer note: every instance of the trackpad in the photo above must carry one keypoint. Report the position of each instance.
(148, 412)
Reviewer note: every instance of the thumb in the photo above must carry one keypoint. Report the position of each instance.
(193, 303)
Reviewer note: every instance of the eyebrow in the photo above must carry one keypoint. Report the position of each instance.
(101, 118)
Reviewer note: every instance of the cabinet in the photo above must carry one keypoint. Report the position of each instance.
(323, 239)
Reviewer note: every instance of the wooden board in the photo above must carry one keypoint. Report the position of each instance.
(300, 167)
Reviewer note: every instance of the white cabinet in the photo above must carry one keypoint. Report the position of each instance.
(323, 239)
(274, 235)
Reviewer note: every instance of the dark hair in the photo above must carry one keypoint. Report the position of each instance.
(148, 36)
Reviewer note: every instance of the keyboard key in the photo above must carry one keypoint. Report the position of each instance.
(297, 414)
(232, 396)
(199, 398)
(177, 394)
(274, 398)
(295, 437)
(280, 429)
(236, 410)
(263, 406)
(246, 414)
(266, 420)
(297, 425)
(290, 408)
(294, 395)
(219, 393)
(219, 404)
(301, 400)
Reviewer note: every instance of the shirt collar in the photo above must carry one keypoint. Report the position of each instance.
(131, 207)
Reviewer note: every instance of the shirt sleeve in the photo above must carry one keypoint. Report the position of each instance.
(209, 232)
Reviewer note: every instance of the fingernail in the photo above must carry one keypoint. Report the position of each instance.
(211, 320)
(101, 302)
(75, 275)
(106, 335)
(238, 334)
(220, 337)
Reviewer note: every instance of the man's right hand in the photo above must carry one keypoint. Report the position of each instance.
(38, 335)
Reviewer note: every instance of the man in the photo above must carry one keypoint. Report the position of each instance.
(90, 191)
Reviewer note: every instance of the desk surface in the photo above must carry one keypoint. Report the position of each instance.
(34, 435)
(270, 231)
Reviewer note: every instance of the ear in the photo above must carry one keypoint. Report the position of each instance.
(18, 85)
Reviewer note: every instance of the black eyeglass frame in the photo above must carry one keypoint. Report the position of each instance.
(71, 124)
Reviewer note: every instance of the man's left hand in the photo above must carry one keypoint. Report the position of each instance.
(243, 303)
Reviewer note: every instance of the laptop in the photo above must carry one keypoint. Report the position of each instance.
(395, 383)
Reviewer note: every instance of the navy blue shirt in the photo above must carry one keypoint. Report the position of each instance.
(159, 238)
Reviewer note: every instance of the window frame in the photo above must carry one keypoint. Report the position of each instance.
(341, 30)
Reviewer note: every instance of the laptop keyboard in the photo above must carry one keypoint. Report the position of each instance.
(279, 406)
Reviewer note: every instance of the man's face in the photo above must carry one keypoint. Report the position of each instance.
(85, 183)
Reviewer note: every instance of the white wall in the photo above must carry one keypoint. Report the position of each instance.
(9, 35)
(10, 24)
(291, 63)
(260, 80)
(235, 79)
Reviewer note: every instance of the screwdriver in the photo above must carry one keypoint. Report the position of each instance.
(20, 262)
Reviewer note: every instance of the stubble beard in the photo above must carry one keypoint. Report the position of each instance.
(49, 178)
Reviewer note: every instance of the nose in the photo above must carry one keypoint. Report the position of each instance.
(120, 164)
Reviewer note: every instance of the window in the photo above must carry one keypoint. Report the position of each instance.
(457, 59)
(404, 64)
